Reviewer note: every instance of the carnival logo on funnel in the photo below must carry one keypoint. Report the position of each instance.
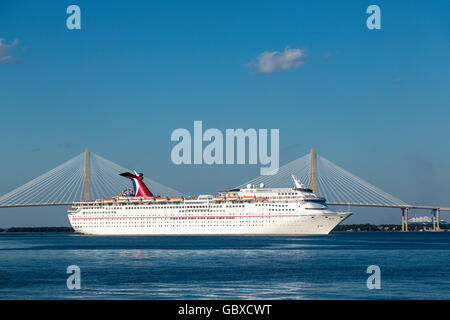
(213, 153)
(140, 189)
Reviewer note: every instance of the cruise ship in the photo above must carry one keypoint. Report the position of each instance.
(254, 210)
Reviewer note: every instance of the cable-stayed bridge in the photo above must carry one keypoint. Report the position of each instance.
(82, 178)
(339, 187)
(326, 179)
(90, 176)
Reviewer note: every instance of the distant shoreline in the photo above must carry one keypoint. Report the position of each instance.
(340, 228)
(36, 229)
(412, 227)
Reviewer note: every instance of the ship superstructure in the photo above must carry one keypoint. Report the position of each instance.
(254, 210)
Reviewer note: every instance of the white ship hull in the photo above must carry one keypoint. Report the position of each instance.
(248, 211)
(245, 222)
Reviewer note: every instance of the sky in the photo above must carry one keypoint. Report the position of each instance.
(375, 102)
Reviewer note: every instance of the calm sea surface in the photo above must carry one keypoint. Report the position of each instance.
(413, 266)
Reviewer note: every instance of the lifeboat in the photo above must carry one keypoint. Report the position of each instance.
(161, 199)
(134, 199)
(218, 198)
(148, 199)
(108, 200)
(122, 199)
(232, 198)
(175, 199)
(248, 197)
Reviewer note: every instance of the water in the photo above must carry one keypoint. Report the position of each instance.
(413, 266)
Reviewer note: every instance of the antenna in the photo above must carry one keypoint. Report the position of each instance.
(296, 182)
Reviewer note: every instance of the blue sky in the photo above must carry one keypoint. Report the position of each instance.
(376, 102)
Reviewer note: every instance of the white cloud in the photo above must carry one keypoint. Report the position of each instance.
(270, 61)
(5, 52)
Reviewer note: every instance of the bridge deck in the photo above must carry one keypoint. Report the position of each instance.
(329, 203)
(387, 205)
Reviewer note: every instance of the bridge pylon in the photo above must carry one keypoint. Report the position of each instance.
(405, 219)
(437, 220)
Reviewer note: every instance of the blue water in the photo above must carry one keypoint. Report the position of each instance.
(413, 266)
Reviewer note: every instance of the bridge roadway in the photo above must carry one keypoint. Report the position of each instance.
(347, 204)
(435, 209)
(404, 209)
(387, 206)
(36, 205)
